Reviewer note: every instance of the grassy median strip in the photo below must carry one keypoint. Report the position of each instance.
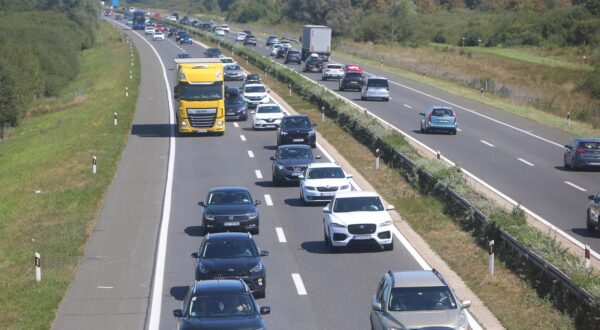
(49, 198)
(510, 298)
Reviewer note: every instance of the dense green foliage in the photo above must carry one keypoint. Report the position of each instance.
(39, 49)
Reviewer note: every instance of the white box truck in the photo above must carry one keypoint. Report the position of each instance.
(316, 39)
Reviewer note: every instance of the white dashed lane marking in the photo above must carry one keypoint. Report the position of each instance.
(575, 186)
(250, 154)
(525, 162)
(268, 200)
(236, 125)
(242, 137)
(486, 143)
(258, 174)
(407, 106)
(299, 285)
(280, 235)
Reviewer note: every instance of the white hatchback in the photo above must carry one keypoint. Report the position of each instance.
(267, 116)
(322, 181)
(149, 30)
(158, 36)
(256, 94)
(241, 36)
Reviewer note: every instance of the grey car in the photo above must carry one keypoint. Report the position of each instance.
(375, 88)
(290, 161)
(233, 72)
(417, 300)
(593, 213)
(581, 153)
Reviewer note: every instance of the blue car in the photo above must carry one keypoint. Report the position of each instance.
(439, 118)
(185, 39)
(582, 152)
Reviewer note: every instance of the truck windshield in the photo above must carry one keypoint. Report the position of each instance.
(210, 92)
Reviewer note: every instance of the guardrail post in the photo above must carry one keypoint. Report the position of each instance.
(94, 164)
(290, 89)
(587, 255)
(438, 155)
(491, 260)
(115, 118)
(377, 155)
(38, 267)
(323, 113)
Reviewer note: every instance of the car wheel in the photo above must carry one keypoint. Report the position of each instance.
(387, 99)
(422, 129)
(325, 237)
(313, 145)
(204, 228)
(302, 200)
(453, 132)
(590, 227)
(341, 88)
(275, 181)
(255, 231)
(363, 98)
(389, 247)
(260, 294)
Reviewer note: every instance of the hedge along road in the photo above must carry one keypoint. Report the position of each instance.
(308, 288)
(520, 158)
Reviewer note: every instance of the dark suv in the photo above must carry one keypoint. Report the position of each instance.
(271, 40)
(220, 304)
(313, 65)
(230, 208)
(293, 55)
(235, 104)
(290, 161)
(250, 40)
(212, 52)
(296, 129)
(351, 80)
(232, 255)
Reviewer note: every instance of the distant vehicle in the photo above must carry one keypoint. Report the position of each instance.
(138, 20)
(357, 218)
(252, 78)
(185, 21)
(212, 52)
(158, 36)
(233, 72)
(236, 107)
(183, 55)
(266, 116)
(439, 118)
(271, 40)
(240, 36)
(375, 88)
(420, 299)
(351, 80)
(119, 17)
(185, 39)
(220, 304)
(159, 26)
(275, 49)
(195, 23)
(149, 30)
(296, 129)
(256, 94)
(582, 153)
(283, 50)
(353, 68)
(179, 34)
(250, 40)
(232, 255)
(226, 60)
(313, 65)
(176, 15)
(205, 26)
(172, 18)
(219, 32)
(225, 28)
(316, 39)
(172, 31)
(230, 208)
(293, 55)
(247, 32)
(290, 162)
(322, 181)
(332, 71)
(593, 213)
(157, 15)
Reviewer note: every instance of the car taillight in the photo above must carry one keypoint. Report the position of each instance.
(430, 114)
(581, 151)
(454, 115)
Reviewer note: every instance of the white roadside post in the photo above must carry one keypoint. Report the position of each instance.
(94, 164)
(126, 91)
(323, 114)
(491, 261)
(115, 118)
(377, 155)
(588, 260)
(290, 89)
(38, 268)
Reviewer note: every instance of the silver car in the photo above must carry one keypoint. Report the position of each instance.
(375, 88)
(233, 72)
(417, 300)
(593, 213)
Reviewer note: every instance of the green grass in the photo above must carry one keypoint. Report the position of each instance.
(52, 152)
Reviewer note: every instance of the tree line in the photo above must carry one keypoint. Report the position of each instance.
(39, 50)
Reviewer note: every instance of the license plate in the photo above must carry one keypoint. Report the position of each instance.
(231, 224)
(327, 194)
(295, 174)
(298, 140)
(442, 121)
(230, 113)
(362, 237)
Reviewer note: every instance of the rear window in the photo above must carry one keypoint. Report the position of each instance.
(334, 66)
(296, 122)
(442, 113)
(383, 83)
(589, 145)
(353, 75)
(293, 52)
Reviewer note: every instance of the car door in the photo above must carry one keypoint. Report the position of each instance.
(376, 315)
(595, 207)
(570, 152)
(382, 296)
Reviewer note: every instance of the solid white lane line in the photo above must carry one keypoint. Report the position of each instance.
(242, 137)
(575, 186)
(250, 154)
(268, 200)
(258, 174)
(280, 235)
(299, 285)
(236, 125)
(486, 143)
(525, 162)
(105, 287)
(407, 106)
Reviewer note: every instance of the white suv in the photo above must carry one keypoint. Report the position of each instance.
(332, 70)
(357, 217)
(158, 36)
(267, 116)
(149, 30)
(322, 181)
(256, 94)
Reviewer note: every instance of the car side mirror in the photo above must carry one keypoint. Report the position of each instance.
(253, 112)
(591, 197)
(567, 146)
(376, 305)
(264, 253)
(177, 313)
(318, 157)
(391, 207)
(422, 114)
(257, 202)
(349, 176)
(301, 177)
(202, 204)
(195, 255)
(326, 209)
(272, 158)
(268, 91)
(466, 303)
(265, 310)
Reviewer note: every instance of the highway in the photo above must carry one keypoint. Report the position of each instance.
(519, 157)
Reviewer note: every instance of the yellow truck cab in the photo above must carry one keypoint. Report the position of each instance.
(200, 93)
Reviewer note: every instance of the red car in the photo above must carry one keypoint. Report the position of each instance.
(353, 68)
(157, 15)
(159, 27)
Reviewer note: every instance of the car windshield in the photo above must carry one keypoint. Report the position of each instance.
(209, 92)
(421, 299)
(236, 99)
(325, 173)
(299, 122)
(229, 197)
(227, 60)
(228, 248)
(254, 89)
(233, 68)
(213, 51)
(221, 306)
(295, 153)
(358, 204)
(377, 83)
(353, 75)
(589, 145)
(441, 113)
(268, 109)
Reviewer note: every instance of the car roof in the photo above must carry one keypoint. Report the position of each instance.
(439, 107)
(231, 90)
(255, 85)
(587, 139)
(296, 117)
(227, 235)
(356, 194)
(376, 78)
(416, 278)
(228, 189)
(222, 286)
(324, 165)
(297, 146)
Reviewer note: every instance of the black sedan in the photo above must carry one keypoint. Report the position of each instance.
(230, 208)
(351, 80)
(212, 52)
(593, 213)
(232, 255)
(220, 304)
(290, 161)
(296, 129)
(235, 104)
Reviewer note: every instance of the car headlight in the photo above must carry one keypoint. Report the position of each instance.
(309, 188)
(252, 216)
(209, 216)
(344, 187)
(311, 132)
(463, 322)
(386, 223)
(203, 269)
(281, 167)
(257, 268)
(283, 133)
(337, 225)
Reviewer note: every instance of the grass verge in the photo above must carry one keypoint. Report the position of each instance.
(49, 198)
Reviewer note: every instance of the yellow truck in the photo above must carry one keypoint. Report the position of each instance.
(200, 93)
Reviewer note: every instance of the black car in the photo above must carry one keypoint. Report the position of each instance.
(220, 304)
(195, 23)
(290, 161)
(235, 104)
(292, 55)
(250, 40)
(252, 78)
(247, 32)
(172, 31)
(212, 52)
(313, 65)
(230, 208)
(205, 26)
(296, 129)
(271, 40)
(351, 80)
(183, 55)
(232, 255)
(179, 34)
